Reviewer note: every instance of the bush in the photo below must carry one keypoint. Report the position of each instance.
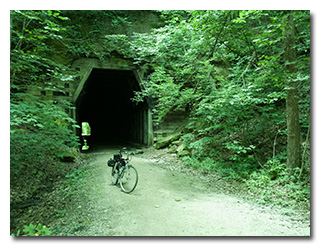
(40, 135)
(279, 186)
(38, 130)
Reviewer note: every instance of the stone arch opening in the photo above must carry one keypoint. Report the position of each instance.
(104, 100)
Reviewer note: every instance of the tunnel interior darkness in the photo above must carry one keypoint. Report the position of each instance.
(105, 102)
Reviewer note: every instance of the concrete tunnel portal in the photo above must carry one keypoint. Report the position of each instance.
(105, 103)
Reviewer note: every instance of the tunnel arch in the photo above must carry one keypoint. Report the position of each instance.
(103, 98)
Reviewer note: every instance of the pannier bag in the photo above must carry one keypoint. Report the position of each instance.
(111, 163)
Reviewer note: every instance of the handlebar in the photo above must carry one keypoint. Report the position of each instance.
(124, 150)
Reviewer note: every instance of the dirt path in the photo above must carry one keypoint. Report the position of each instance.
(172, 203)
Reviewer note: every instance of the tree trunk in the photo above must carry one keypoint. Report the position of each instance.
(292, 110)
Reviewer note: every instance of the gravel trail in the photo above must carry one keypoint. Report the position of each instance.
(174, 203)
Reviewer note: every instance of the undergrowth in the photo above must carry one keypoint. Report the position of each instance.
(275, 185)
(49, 216)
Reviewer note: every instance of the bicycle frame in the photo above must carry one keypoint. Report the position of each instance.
(123, 171)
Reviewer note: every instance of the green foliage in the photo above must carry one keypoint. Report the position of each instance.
(285, 189)
(230, 124)
(38, 129)
(226, 68)
(171, 52)
(100, 33)
(34, 230)
(75, 182)
(31, 56)
(39, 230)
(41, 132)
(118, 43)
(165, 91)
(61, 213)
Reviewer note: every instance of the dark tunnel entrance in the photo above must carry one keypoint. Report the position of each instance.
(105, 102)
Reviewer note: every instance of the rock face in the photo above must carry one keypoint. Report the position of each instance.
(172, 123)
(166, 141)
(168, 133)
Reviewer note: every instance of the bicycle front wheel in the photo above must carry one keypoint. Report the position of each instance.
(128, 179)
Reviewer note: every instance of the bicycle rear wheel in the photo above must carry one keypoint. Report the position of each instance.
(128, 179)
(114, 174)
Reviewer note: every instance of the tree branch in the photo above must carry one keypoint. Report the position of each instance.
(221, 29)
(248, 66)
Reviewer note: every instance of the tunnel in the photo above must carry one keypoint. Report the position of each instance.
(105, 102)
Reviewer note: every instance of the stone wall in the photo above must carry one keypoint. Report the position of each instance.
(173, 123)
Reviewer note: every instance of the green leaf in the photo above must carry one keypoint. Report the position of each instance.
(30, 229)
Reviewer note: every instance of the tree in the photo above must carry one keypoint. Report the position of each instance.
(292, 108)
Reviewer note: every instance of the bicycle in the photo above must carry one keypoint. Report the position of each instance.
(123, 172)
